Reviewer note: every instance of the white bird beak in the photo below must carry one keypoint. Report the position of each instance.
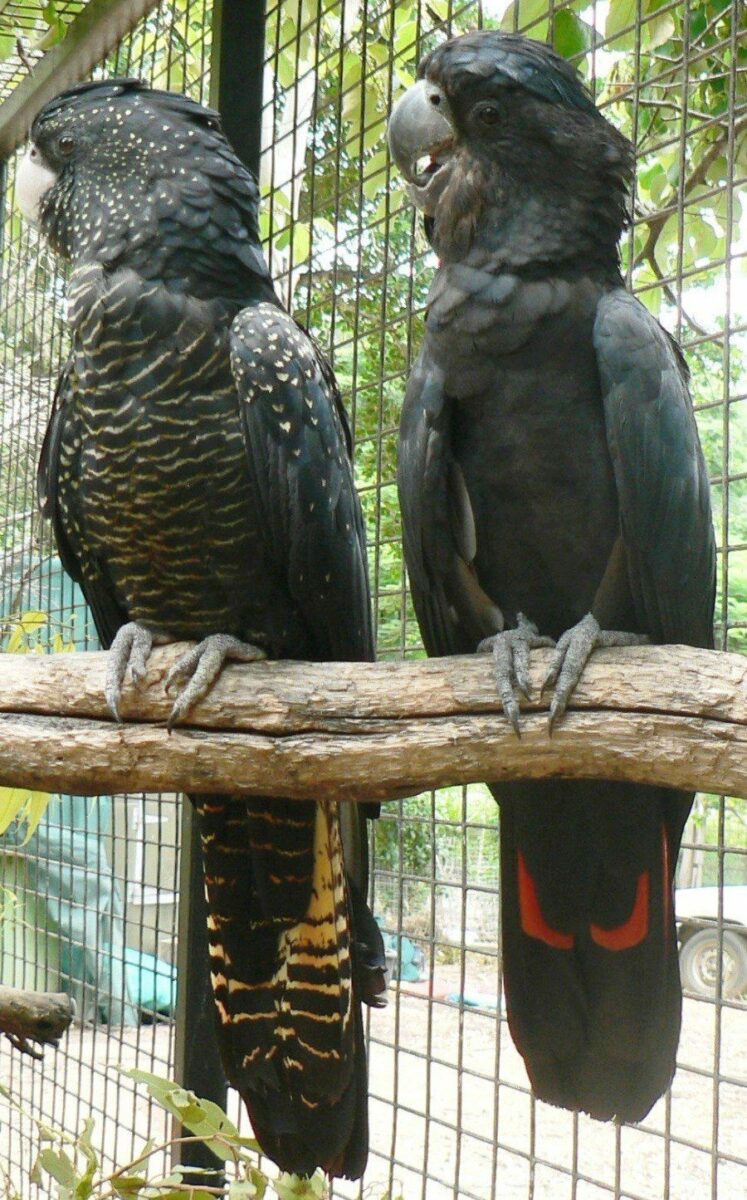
(33, 181)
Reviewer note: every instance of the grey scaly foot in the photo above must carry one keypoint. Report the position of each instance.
(572, 654)
(199, 668)
(131, 647)
(510, 651)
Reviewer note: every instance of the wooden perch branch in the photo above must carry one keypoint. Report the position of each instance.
(34, 1017)
(666, 715)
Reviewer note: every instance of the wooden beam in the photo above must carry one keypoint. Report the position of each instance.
(665, 715)
(88, 40)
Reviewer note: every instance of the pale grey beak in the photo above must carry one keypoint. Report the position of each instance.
(33, 180)
(420, 131)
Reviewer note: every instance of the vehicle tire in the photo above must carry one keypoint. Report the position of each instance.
(699, 964)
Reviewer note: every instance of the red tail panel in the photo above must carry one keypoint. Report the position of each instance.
(632, 931)
(532, 921)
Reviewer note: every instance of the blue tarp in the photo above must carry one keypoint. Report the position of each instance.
(69, 874)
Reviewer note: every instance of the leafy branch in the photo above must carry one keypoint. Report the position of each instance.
(74, 1163)
(50, 29)
(655, 222)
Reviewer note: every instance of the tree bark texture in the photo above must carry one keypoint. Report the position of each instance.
(667, 715)
(34, 1016)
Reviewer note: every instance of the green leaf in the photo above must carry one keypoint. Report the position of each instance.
(375, 174)
(248, 1189)
(34, 809)
(404, 79)
(285, 69)
(652, 298)
(158, 1086)
(653, 183)
(28, 624)
(571, 35)
(378, 52)
(296, 1187)
(352, 70)
(657, 30)
(405, 41)
(12, 801)
(393, 201)
(186, 1193)
(7, 45)
(301, 245)
(55, 33)
(33, 620)
(84, 1186)
(249, 1143)
(201, 1117)
(259, 1181)
(374, 133)
(128, 1185)
(57, 1164)
(621, 15)
(718, 170)
(19, 804)
(403, 14)
(521, 13)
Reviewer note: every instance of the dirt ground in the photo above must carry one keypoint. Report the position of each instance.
(635, 1164)
(541, 1153)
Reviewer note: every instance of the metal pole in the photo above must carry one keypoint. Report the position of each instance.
(198, 1065)
(236, 72)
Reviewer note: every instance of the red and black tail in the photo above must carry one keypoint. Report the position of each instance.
(589, 945)
(293, 952)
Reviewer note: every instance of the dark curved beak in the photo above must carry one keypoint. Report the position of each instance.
(420, 128)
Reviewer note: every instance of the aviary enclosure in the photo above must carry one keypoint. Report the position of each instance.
(103, 901)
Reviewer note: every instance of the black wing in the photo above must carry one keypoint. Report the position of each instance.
(662, 483)
(299, 456)
(440, 542)
(108, 615)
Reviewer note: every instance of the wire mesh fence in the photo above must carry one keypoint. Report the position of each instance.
(96, 889)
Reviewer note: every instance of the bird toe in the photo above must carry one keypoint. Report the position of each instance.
(198, 669)
(131, 648)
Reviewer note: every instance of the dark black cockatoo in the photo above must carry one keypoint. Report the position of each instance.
(197, 472)
(553, 490)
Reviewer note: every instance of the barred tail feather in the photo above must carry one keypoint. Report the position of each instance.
(284, 968)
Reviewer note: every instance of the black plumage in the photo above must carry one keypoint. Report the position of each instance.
(197, 471)
(553, 488)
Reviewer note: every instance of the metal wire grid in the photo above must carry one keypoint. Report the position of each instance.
(100, 936)
(346, 248)
(24, 18)
(451, 1114)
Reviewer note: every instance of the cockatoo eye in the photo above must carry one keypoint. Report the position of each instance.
(488, 114)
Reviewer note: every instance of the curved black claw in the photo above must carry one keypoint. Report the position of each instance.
(572, 653)
(200, 667)
(131, 648)
(510, 651)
